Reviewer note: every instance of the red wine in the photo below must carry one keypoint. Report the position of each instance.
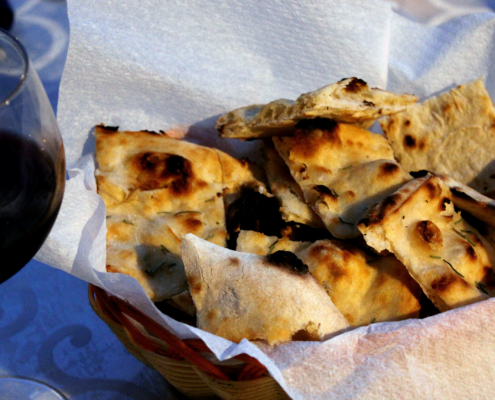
(31, 189)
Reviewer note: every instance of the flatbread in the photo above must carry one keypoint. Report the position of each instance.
(243, 296)
(470, 200)
(448, 257)
(283, 186)
(262, 245)
(451, 134)
(351, 101)
(364, 288)
(341, 170)
(156, 190)
(240, 174)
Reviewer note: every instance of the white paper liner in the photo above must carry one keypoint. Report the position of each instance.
(161, 65)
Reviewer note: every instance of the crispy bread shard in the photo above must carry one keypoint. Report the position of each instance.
(156, 190)
(257, 243)
(451, 134)
(448, 257)
(350, 100)
(244, 296)
(289, 194)
(341, 169)
(238, 175)
(467, 199)
(364, 288)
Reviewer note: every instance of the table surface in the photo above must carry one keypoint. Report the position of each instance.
(48, 330)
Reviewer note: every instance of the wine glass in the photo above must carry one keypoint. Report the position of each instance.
(32, 178)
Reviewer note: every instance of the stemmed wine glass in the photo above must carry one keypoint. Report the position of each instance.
(32, 178)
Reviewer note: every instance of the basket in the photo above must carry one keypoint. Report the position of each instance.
(188, 364)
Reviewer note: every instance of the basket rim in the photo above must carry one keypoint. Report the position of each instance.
(165, 344)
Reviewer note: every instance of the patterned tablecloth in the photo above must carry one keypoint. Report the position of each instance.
(48, 331)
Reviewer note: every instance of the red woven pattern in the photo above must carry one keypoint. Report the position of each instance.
(121, 312)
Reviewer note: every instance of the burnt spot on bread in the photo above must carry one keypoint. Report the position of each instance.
(310, 134)
(192, 224)
(419, 174)
(253, 211)
(471, 254)
(355, 85)
(409, 141)
(289, 261)
(377, 214)
(107, 129)
(298, 232)
(488, 275)
(323, 124)
(195, 285)
(407, 122)
(443, 203)
(430, 233)
(444, 283)
(457, 192)
(162, 170)
(151, 132)
(234, 262)
(368, 103)
(326, 192)
(303, 335)
(433, 189)
(336, 271)
(212, 314)
(388, 169)
(111, 268)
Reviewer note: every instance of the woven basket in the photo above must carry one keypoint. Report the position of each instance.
(187, 364)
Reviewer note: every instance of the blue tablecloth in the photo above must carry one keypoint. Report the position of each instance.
(48, 330)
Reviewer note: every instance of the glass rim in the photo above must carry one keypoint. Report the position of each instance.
(24, 55)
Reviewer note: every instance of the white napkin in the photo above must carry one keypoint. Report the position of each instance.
(178, 65)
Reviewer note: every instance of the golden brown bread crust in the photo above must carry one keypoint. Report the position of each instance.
(451, 134)
(341, 170)
(448, 257)
(350, 100)
(364, 288)
(245, 296)
(283, 186)
(156, 190)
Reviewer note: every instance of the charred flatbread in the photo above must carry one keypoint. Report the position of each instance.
(449, 259)
(257, 243)
(451, 134)
(365, 288)
(289, 194)
(246, 296)
(349, 100)
(156, 190)
(341, 169)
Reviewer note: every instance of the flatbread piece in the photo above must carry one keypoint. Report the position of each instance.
(244, 296)
(156, 190)
(451, 134)
(350, 100)
(449, 259)
(341, 169)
